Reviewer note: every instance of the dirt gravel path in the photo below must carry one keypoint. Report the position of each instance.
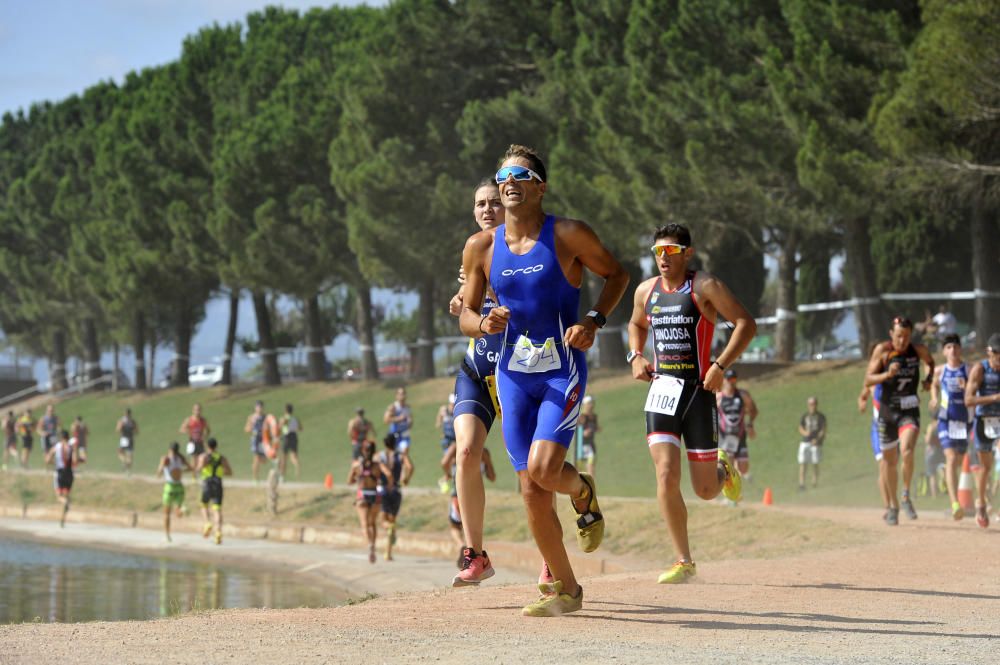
(924, 592)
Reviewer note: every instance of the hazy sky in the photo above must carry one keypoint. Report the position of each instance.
(51, 49)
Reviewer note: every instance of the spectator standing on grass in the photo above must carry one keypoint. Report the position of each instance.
(812, 428)
(589, 428)
(9, 438)
(934, 463)
(48, 428)
(25, 427)
(945, 322)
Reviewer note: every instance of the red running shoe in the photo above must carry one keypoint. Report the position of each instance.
(476, 567)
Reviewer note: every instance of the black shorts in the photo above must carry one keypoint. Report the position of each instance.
(696, 421)
(27, 442)
(64, 480)
(211, 491)
(290, 443)
(355, 450)
(12, 442)
(391, 501)
(257, 447)
(48, 440)
(984, 444)
(195, 448)
(367, 497)
(892, 421)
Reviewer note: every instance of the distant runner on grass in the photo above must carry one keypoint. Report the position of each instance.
(172, 466)
(212, 466)
(64, 457)
(127, 429)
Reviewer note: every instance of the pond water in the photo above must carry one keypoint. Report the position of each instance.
(53, 583)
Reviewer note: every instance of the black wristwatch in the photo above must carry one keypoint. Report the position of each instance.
(599, 319)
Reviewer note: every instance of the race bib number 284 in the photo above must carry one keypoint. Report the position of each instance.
(664, 395)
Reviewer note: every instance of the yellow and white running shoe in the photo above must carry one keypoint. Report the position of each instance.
(553, 602)
(733, 487)
(679, 573)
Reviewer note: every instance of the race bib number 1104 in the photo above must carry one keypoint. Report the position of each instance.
(664, 395)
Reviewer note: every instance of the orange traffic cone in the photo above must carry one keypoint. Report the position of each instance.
(965, 485)
(328, 481)
(768, 497)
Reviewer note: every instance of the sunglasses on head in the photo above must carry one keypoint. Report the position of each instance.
(668, 249)
(521, 173)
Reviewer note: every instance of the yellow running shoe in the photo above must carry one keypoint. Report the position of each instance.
(733, 487)
(590, 523)
(218, 538)
(957, 513)
(553, 602)
(206, 531)
(680, 573)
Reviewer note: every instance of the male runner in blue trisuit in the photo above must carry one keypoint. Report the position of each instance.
(983, 392)
(534, 262)
(953, 418)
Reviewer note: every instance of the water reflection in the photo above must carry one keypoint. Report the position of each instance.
(40, 582)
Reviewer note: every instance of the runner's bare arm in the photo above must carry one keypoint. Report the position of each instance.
(932, 404)
(471, 322)
(226, 469)
(873, 375)
(407, 470)
(928, 359)
(491, 473)
(725, 303)
(588, 249)
(972, 387)
(184, 427)
(638, 330)
(162, 466)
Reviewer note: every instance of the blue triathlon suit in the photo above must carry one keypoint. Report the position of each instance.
(953, 409)
(540, 382)
(876, 403)
(401, 430)
(471, 393)
(988, 416)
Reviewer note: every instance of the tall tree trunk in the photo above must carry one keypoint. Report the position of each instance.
(365, 325)
(139, 348)
(425, 326)
(985, 269)
(114, 367)
(183, 331)
(870, 313)
(153, 342)
(91, 351)
(268, 354)
(786, 309)
(227, 356)
(316, 358)
(57, 362)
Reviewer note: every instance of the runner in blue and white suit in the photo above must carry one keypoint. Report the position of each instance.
(474, 411)
(948, 399)
(534, 263)
(982, 391)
